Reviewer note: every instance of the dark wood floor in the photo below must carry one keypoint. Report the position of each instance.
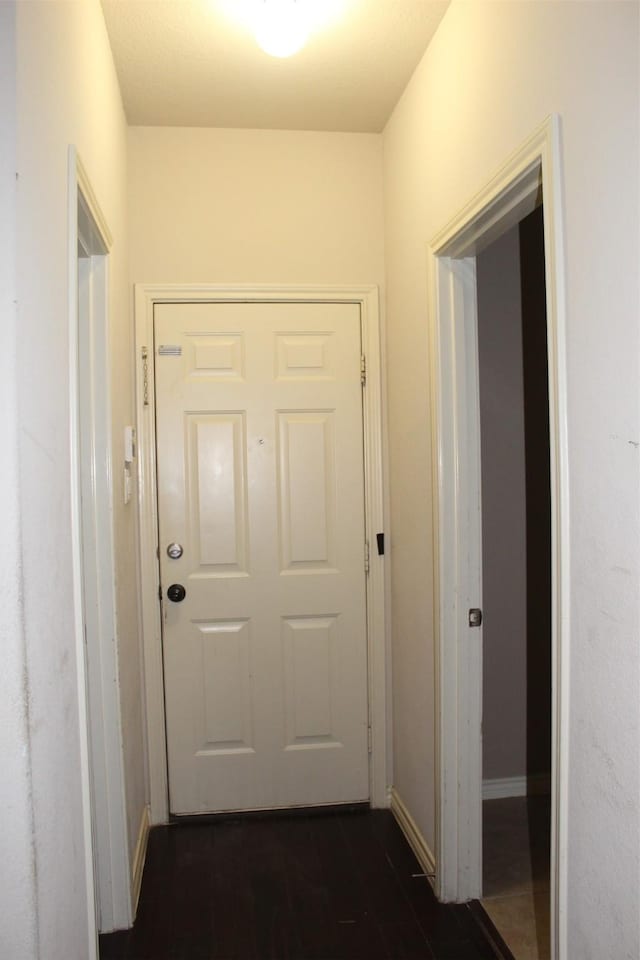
(343, 885)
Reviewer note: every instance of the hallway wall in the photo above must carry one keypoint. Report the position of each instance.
(66, 93)
(18, 929)
(492, 74)
(255, 206)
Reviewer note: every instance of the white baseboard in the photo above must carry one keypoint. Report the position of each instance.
(414, 837)
(139, 858)
(503, 787)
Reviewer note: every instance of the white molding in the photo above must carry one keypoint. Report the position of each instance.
(85, 188)
(413, 834)
(509, 195)
(104, 805)
(139, 858)
(146, 295)
(76, 551)
(457, 580)
(501, 788)
(149, 570)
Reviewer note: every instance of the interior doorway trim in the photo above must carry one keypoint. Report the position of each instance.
(108, 881)
(146, 296)
(505, 200)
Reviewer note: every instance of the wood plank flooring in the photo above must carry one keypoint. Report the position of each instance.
(337, 885)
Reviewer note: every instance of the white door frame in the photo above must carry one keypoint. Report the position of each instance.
(504, 201)
(146, 295)
(108, 878)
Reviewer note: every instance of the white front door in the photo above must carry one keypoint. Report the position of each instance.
(260, 481)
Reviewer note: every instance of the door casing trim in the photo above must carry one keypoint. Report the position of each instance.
(367, 297)
(107, 874)
(504, 201)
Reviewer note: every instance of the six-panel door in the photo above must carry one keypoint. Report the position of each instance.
(260, 480)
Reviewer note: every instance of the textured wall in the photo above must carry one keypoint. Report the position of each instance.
(18, 928)
(66, 93)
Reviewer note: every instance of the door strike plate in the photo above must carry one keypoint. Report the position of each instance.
(475, 617)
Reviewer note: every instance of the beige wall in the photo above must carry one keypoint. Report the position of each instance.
(493, 72)
(255, 206)
(67, 93)
(504, 518)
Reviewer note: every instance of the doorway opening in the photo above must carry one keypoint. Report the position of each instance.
(530, 176)
(516, 586)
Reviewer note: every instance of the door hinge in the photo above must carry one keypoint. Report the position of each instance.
(145, 376)
(363, 370)
(369, 739)
(159, 592)
(366, 556)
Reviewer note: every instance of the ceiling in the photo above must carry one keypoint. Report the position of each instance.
(192, 63)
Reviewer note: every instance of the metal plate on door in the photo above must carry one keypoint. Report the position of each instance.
(475, 617)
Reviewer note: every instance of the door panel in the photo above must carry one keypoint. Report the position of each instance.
(308, 658)
(306, 484)
(226, 701)
(260, 479)
(217, 511)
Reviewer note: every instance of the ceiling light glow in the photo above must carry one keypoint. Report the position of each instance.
(281, 27)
